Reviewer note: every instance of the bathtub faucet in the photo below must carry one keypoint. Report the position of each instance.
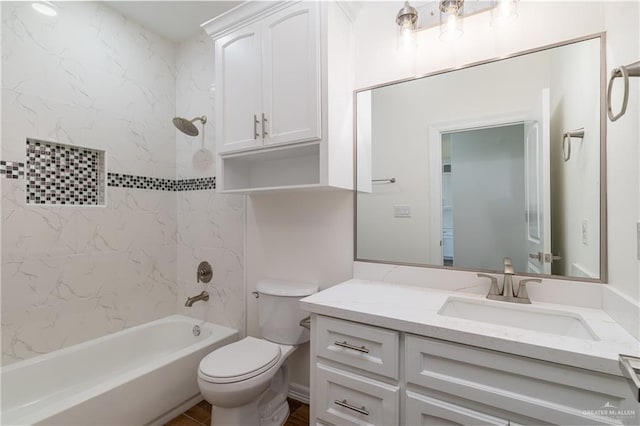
(191, 300)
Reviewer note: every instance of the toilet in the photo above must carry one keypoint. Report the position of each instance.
(247, 382)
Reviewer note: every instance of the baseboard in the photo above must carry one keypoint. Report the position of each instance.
(170, 415)
(299, 392)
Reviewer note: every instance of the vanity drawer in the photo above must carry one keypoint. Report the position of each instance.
(345, 398)
(424, 410)
(362, 346)
(548, 392)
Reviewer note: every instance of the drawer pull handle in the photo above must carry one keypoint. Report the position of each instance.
(264, 123)
(345, 404)
(256, 135)
(344, 344)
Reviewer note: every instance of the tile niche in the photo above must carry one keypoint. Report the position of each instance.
(58, 174)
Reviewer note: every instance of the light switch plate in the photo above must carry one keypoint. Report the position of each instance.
(401, 210)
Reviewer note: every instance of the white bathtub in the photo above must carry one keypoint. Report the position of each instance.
(137, 376)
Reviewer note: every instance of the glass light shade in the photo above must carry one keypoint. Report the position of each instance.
(503, 12)
(407, 25)
(44, 7)
(451, 13)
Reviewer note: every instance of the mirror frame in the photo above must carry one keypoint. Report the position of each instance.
(603, 279)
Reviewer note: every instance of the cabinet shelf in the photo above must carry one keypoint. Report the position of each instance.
(290, 167)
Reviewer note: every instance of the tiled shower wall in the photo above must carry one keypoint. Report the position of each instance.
(89, 77)
(210, 226)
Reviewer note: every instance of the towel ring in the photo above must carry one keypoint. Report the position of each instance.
(631, 70)
(566, 142)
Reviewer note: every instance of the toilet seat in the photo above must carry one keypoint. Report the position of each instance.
(239, 361)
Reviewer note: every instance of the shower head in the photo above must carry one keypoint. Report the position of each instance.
(186, 126)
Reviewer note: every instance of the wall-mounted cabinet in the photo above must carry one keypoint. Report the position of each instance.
(283, 74)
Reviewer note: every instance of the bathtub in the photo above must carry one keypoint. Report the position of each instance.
(138, 376)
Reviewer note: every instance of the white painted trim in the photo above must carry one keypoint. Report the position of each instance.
(240, 16)
(435, 166)
(170, 415)
(299, 393)
(350, 8)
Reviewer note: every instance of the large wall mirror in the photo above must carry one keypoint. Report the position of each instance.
(506, 158)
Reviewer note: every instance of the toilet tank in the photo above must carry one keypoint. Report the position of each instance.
(279, 313)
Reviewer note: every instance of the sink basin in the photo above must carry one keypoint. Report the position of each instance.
(524, 317)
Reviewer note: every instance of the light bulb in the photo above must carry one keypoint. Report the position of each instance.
(44, 7)
(451, 27)
(406, 35)
(451, 16)
(503, 12)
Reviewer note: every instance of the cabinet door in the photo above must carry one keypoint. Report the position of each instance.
(424, 410)
(291, 75)
(238, 90)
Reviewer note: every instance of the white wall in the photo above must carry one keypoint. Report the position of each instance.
(298, 237)
(539, 23)
(623, 185)
(86, 77)
(575, 88)
(210, 226)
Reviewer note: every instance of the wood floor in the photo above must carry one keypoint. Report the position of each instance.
(200, 415)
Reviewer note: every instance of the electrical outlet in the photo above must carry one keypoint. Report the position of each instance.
(401, 210)
(585, 232)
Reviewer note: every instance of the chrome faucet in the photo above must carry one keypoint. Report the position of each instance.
(507, 294)
(191, 300)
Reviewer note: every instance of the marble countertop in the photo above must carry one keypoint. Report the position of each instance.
(414, 309)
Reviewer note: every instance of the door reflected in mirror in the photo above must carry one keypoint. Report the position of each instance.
(462, 168)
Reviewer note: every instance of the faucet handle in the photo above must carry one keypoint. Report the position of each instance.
(522, 287)
(494, 283)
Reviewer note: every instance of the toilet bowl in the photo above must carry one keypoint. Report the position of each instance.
(247, 382)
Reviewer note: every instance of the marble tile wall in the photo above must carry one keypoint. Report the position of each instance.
(210, 226)
(92, 78)
(87, 77)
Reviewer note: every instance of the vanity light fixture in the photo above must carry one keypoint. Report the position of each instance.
(451, 12)
(45, 7)
(407, 21)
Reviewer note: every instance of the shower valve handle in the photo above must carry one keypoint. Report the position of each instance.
(256, 135)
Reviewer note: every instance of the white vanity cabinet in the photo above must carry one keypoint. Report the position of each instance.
(424, 381)
(356, 373)
(283, 94)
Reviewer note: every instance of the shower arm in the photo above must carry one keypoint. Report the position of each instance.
(202, 119)
(631, 70)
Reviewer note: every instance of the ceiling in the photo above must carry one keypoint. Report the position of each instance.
(174, 20)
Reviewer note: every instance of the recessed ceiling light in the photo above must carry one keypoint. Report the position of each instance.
(45, 7)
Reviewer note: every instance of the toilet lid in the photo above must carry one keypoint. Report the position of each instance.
(239, 361)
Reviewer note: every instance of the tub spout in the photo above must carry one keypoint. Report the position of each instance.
(191, 300)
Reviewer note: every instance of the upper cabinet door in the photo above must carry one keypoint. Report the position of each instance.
(238, 89)
(291, 75)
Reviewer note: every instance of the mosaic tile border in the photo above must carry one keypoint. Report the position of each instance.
(195, 184)
(11, 169)
(16, 170)
(119, 180)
